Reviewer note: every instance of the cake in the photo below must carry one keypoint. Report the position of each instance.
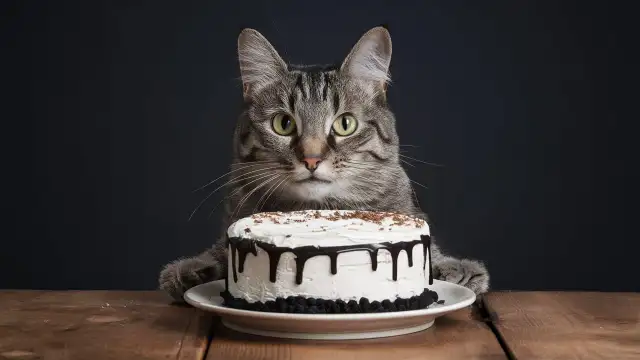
(328, 262)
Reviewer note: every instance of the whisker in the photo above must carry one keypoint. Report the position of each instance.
(232, 171)
(409, 145)
(421, 161)
(408, 163)
(265, 194)
(260, 176)
(232, 181)
(366, 164)
(417, 183)
(248, 195)
(390, 174)
(254, 162)
(234, 192)
(274, 190)
(261, 170)
(359, 166)
(415, 196)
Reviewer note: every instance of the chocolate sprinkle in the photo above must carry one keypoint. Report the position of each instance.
(304, 305)
(370, 216)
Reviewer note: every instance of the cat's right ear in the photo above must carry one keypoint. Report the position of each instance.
(370, 58)
(260, 64)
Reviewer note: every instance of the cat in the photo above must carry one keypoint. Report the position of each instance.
(315, 137)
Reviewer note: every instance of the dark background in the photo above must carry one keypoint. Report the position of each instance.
(113, 112)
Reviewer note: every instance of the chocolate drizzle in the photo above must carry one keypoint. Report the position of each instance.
(243, 246)
(426, 241)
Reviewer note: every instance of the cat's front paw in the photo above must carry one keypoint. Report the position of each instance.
(181, 275)
(468, 273)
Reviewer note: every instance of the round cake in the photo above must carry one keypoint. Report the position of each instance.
(329, 262)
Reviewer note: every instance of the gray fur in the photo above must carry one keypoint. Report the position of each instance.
(361, 171)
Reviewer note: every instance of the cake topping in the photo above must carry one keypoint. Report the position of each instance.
(328, 227)
(366, 216)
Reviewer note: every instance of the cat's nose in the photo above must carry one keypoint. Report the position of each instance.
(311, 163)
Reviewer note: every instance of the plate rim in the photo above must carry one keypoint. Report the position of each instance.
(468, 299)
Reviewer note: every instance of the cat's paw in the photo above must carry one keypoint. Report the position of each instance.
(468, 273)
(181, 275)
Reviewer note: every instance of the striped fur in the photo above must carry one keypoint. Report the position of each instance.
(359, 171)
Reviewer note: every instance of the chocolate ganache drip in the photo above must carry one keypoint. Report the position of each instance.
(242, 247)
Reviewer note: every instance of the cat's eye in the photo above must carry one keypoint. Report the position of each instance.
(345, 125)
(283, 124)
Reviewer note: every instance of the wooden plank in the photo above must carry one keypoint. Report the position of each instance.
(98, 325)
(455, 336)
(572, 325)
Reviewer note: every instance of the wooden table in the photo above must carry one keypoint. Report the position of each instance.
(97, 325)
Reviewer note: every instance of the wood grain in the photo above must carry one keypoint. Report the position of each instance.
(455, 336)
(570, 325)
(98, 325)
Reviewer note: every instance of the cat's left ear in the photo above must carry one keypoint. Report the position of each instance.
(370, 58)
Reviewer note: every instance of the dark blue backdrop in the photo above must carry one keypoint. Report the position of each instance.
(114, 113)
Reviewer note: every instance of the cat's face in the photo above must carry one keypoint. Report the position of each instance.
(327, 131)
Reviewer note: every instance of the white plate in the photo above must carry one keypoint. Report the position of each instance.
(330, 326)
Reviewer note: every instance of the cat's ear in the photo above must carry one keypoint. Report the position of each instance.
(260, 63)
(369, 59)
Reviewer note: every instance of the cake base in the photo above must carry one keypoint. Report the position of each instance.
(303, 305)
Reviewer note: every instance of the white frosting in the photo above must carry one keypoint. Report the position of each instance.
(354, 278)
(320, 228)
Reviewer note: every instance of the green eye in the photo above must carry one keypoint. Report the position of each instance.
(345, 125)
(283, 124)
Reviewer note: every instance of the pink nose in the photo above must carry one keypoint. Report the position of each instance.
(311, 163)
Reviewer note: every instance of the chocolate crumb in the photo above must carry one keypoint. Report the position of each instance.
(301, 304)
(378, 218)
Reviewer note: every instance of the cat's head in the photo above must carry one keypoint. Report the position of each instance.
(326, 130)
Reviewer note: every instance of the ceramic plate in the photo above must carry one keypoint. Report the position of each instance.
(330, 326)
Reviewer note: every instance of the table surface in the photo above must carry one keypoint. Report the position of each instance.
(99, 325)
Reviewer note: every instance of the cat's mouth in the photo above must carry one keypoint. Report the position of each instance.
(313, 179)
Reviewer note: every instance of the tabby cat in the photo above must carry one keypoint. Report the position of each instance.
(315, 137)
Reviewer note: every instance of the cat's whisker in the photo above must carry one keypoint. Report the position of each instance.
(274, 190)
(255, 208)
(421, 161)
(368, 179)
(406, 162)
(236, 191)
(230, 172)
(359, 167)
(409, 145)
(255, 162)
(248, 195)
(417, 183)
(250, 192)
(259, 176)
(266, 192)
(226, 198)
(363, 165)
(415, 196)
(232, 181)
(259, 171)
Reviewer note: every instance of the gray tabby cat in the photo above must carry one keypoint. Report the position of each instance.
(315, 137)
